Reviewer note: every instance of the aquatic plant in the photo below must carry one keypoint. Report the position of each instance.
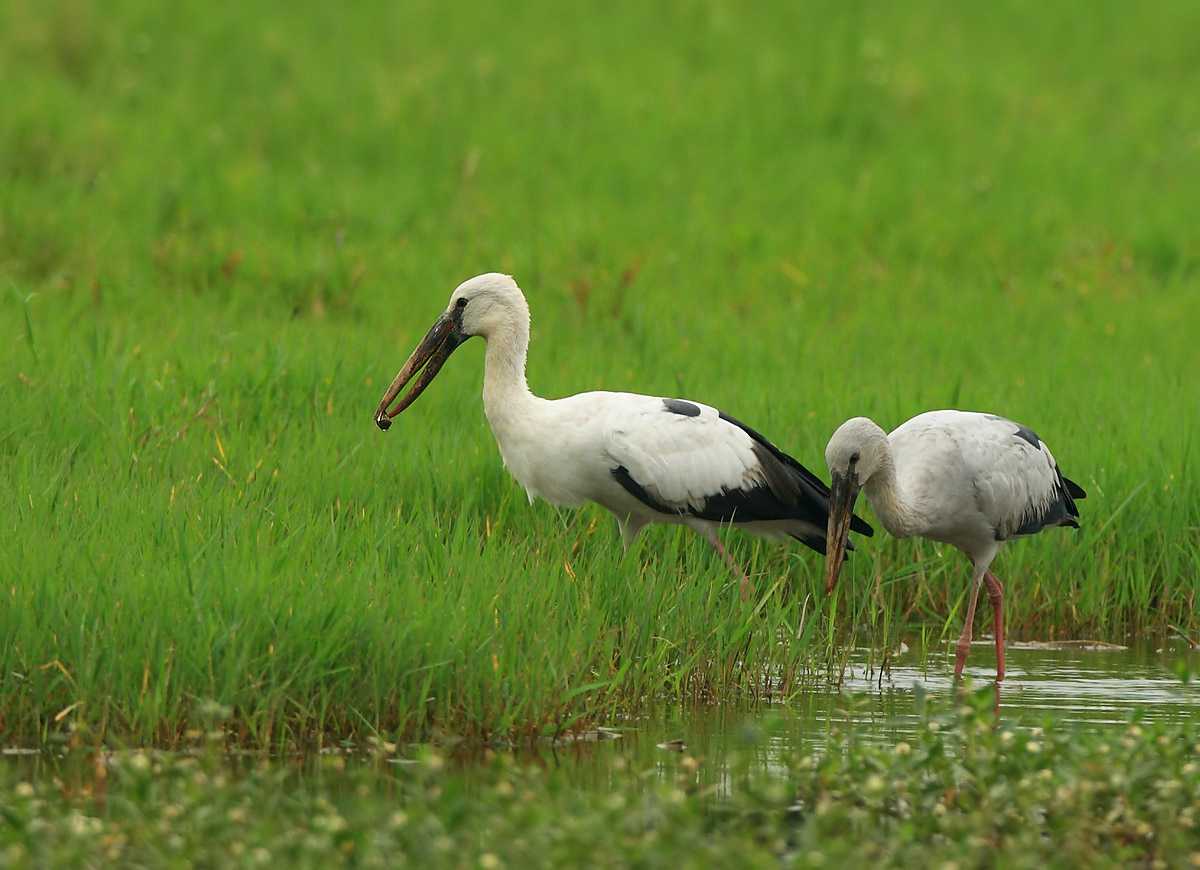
(963, 791)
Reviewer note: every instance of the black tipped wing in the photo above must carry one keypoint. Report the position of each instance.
(1058, 510)
(1015, 468)
(791, 476)
(703, 464)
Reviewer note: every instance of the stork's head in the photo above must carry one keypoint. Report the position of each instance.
(489, 305)
(856, 451)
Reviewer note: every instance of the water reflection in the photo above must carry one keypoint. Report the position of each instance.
(1087, 688)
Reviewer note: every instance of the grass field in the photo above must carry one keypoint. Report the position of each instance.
(221, 230)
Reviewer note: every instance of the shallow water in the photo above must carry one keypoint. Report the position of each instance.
(1082, 685)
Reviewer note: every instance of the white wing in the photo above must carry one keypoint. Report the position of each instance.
(683, 457)
(681, 453)
(1013, 477)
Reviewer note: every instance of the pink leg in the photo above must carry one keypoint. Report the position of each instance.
(746, 587)
(964, 640)
(996, 594)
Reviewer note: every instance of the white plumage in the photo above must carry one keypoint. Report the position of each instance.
(680, 460)
(978, 478)
(967, 479)
(644, 458)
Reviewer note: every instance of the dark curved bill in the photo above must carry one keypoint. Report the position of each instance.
(435, 348)
(842, 495)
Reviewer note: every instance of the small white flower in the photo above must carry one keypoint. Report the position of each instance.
(24, 789)
(1033, 746)
(331, 823)
(81, 825)
(903, 748)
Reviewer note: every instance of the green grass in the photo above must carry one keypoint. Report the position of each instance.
(968, 794)
(221, 230)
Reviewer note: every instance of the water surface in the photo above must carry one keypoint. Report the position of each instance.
(1086, 686)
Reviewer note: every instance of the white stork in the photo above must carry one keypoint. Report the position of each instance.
(646, 459)
(966, 479)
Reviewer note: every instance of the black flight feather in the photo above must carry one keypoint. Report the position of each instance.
(790, 491)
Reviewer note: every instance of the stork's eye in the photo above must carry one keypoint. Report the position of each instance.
(854, 457)
(462, 302)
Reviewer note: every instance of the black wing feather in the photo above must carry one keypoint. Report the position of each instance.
(1061, 511)
(790, 492)
(802, 480)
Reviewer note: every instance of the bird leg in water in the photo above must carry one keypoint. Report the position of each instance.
(996, 594)
(964, 641)
(746, 586)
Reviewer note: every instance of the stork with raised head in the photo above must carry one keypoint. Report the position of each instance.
(967, 479)
(647, 459)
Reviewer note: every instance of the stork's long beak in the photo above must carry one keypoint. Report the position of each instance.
(435, 348)
(842, 495)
